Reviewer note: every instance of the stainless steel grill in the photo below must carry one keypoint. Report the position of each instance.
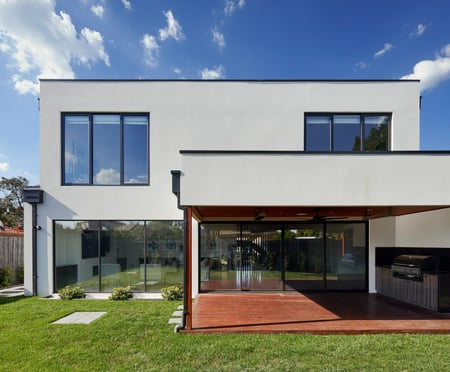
(413, 266)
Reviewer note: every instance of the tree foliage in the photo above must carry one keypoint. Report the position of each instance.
(11, 196)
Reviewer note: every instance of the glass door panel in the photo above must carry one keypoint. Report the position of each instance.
(220, 260)
(240, 256)
(121, 245)
(260, 251)
(346, 256)
(304, 257)
(162, 263)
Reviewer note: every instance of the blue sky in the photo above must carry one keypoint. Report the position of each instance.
(216, 39)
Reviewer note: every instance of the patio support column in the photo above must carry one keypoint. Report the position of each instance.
(188, 268)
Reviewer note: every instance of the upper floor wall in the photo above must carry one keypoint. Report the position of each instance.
(221, 115)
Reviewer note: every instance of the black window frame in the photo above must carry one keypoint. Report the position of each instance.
(362, 117)
(90, 116)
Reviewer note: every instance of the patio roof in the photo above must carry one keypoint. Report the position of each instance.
(303, 214)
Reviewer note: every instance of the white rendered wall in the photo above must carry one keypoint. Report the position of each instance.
(381, 234)
(308, 179)
(429, 229)
(201, 115)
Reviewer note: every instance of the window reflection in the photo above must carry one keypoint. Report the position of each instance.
(344, 132)
(346, 129)
(102, 255)
(106, 149)
(318, 133)
(76, 149)
(116, 154)
(376, 133)
(135, 139)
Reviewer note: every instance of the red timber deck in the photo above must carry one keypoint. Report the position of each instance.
(316, 313)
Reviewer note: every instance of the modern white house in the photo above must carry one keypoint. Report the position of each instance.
(277, 185)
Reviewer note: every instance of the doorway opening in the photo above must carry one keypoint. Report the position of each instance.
(328, 256)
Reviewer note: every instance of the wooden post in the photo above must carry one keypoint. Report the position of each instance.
(188, 268)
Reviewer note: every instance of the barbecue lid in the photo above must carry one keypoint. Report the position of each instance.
(416, 260)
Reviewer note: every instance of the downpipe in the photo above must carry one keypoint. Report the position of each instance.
(182, 325)
(34, 248)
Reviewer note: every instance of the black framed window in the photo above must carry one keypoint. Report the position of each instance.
(105, 149)
(347, 132)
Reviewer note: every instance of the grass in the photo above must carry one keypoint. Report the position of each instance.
(134, 336)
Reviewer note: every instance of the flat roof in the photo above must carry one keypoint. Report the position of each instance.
(241, 80)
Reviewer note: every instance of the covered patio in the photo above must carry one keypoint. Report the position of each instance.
(314, 313)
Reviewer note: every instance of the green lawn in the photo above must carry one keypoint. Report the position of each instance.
(134, 335)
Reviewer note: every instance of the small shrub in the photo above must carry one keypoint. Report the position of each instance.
(172, 292)
(69, 293)
(20, 274)
(6, 276)
(121, 293)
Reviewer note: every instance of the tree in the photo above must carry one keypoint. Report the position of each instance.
(11, 195)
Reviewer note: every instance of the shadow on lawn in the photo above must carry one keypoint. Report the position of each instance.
(8, 300)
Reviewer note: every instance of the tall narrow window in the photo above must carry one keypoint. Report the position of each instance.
(76, 149)
(346, 133)
(135, 149)
(376, 130)
(106, 149)
(318, 133)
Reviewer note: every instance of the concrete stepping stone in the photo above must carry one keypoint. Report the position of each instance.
(80, 317)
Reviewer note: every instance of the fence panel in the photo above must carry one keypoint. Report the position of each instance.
(11, 252)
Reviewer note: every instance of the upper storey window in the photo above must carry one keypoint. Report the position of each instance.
(105, 149)
(349, 132)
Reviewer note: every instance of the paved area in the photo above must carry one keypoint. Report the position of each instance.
(176, 316)
(11, 291)
(324, 313)
(80, 317)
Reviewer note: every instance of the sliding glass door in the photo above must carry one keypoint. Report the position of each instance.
(346, 256)
(304, 257)
(283, 256)
(240, 256)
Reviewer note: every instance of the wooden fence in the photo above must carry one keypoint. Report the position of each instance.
(11, 252)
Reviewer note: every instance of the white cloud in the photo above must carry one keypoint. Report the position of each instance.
(44, 44)
(151, 49)
(4, 167)
(361, 65)
(419, 30)
(432, 72)
(126, 4)
(218, 38)
(232, 5)
(107, 177)
(173, 29)
(387, 47)
(98, 10)
(218, 72)
(177, 71)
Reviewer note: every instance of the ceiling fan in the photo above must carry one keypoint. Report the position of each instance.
(318, 218)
